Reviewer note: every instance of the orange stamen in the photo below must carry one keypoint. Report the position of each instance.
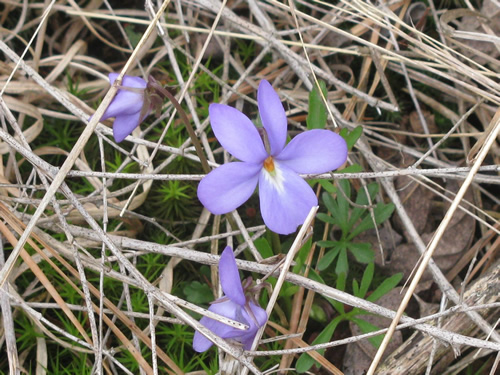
(269, 164)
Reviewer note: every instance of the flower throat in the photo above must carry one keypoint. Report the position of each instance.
(269, 162)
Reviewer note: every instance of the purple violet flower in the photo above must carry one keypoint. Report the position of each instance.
(238, 303)
(133, 102)
(285, 198)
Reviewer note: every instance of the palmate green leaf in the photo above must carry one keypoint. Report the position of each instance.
(317, 116)
(381, 212)
(339, 211)
(305, 362)
(384, 288)
(362, 251)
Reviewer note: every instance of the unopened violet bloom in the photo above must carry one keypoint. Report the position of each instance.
(133, 102)
(238, 304)
(285, 198)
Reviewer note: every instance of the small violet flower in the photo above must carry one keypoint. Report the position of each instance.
(285, 198)
(238, 303)
(133, 102)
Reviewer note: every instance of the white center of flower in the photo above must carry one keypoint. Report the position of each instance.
(273, 174)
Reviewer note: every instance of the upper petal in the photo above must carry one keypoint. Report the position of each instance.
(285, 200)
(314, 151)
(228, 186)
(128, 81)
(273, 116)
(236, 133)
(126, 102)
(230, 277)
(124, 125)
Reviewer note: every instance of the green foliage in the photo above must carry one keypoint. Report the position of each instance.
(360, 290)
(173, 199)
(351, 137)
(198, 293)
(351, 222)
(317, 116)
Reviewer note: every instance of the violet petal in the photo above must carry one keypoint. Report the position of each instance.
(230, 277)
(273, 116)
(228, 186)
(261, 317)
(227, 309)
(285, 200)
(314, 151)
(125, 102)
(236, 133)
(124, 125)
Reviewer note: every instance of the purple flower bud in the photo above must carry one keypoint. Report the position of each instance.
(237, 304)
(133, 102)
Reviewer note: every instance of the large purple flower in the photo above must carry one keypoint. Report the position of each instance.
(235, 304)
(133, 102)
(285, 198)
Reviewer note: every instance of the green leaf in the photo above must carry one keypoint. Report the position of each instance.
(318, 313)
(328, 258)
(305, 362)
(198, 293)
(362, 251)
(383, 212)
(366, 280)
(327, 243)
(328, 186)
(316, 119)
(340, 285)
(352, 137)
(289, 290)
(326, 218)
(313, 275)
(367, 328)
(342, 263)
(384, 288)
(264, 248)
(355, 287)
(354, 168)
(343, 205)
(302, 255)
(366, 223)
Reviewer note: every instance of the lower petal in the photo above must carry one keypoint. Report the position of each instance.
(228, 187)
(124, 125)
(314, 151)
(260, 316)
(285, 200)
(227, 309)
